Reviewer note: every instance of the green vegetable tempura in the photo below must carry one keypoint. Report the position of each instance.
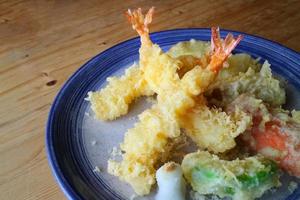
(239, 179)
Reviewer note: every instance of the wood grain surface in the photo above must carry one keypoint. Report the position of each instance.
(43, 42)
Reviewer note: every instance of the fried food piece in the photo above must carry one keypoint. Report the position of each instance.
(145, 145)
(159, 69)
(113, 100)
(239, 179)
(193, 48)
(189, 54)
(275, 133)
(213, 129)
(256, 80)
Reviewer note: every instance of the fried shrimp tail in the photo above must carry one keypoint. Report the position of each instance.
(220, 50)
(140, 23)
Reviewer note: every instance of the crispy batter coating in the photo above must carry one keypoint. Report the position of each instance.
(145, 145)
(213, 129)
(149, 140)
(239, 179)
(113, 100)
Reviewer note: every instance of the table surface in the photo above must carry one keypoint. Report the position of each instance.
(43, 42)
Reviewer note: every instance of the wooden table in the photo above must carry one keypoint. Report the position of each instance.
(43, 42)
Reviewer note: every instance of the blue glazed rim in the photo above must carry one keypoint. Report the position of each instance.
(63, 181)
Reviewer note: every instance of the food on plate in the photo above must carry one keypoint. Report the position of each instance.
(145, 145)
(255, 80)
(222, 102)
(170, 181)
(113, 100)
(243, 75)
(239, 179)
(194, 48)
(174, 97)
(214, 129)
(275, 133)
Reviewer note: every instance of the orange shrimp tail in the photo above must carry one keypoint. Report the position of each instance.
(140, 23)
(220, 50)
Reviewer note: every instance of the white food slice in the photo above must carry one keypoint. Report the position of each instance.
(171, 184)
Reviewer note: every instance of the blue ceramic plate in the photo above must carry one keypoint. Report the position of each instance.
(76, 142)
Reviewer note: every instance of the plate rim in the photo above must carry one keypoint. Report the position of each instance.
(64, 184)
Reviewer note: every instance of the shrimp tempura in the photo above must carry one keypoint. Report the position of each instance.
(142, 156)
(113, 101)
